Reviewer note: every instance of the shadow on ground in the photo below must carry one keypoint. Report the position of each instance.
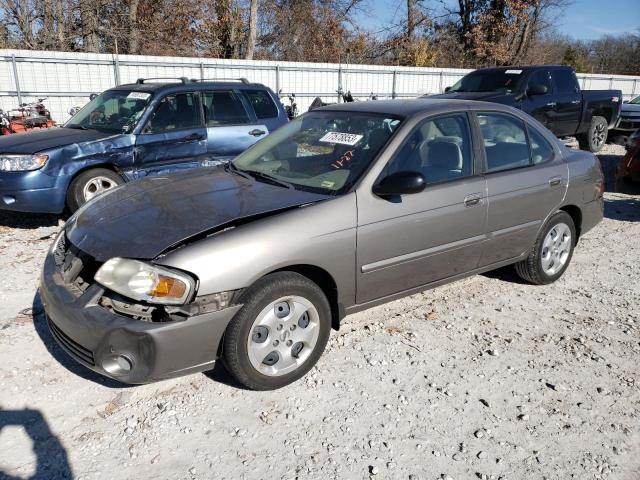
(52, 461)
(623, 208)
(56, 351)
(27, 220)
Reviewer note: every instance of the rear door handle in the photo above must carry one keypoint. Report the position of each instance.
(553, 181)
(473, 199)
(575, 102)
(551, 104)
(256, 132)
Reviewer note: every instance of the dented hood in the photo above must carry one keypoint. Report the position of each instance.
(144, 218)
(46, 139)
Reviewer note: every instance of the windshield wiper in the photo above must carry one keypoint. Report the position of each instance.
(265, 177)
(231, 167)
(76, 126)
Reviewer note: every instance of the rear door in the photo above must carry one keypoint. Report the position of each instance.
(419, 239)
(232, 125)
(526, 180)
(173, 134)
(541, 107)
(568, 99)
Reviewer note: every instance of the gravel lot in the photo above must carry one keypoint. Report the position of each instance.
(485, 378)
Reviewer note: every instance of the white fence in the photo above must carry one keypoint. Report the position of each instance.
(67, 79)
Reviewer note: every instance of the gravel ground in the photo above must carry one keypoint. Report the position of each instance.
(488, 377)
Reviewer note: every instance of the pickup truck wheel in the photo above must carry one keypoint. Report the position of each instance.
(89, 184)
(279, 333)
(551, 253)
(594, 139)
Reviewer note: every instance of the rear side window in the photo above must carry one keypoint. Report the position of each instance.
(541, 150)
(505, 141)
(261, 103)
(224, 107)
(565, 81)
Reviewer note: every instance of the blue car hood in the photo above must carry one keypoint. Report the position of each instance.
(145, 218)
(46, 139)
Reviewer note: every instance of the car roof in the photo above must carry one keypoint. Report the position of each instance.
(520, 67)
(414, 106)
(191, 85)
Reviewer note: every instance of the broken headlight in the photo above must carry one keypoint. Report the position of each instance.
(145, 281)
(22, 163)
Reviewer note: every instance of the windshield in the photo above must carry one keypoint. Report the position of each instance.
(635, 101)
(112, 110)
(324, 152)
(503, 81)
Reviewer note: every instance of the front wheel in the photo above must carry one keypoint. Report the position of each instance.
(279, 333)
(594, 139)
(552, 252)
(89, 184)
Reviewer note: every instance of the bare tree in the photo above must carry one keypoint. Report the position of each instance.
(253, 29)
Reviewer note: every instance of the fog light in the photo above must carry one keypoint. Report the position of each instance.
(117, 365)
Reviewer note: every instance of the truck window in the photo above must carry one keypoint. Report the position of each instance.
(175, 112)
(224, 107)
(261, 103)
(565, 81)
(541, 77)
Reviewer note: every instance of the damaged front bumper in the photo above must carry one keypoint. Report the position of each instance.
(124, 348)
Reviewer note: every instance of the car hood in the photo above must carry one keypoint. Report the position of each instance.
(630, 109)
(145, 218)
(484, 96)
(46, 139)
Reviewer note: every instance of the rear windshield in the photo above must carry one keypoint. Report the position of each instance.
(113, 110)
(324, 152)
(502, 81)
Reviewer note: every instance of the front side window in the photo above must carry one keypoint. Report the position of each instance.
(541, 77)
(324, 151)
(565, 81)
(175, 112)
(261, 103)
(224, 107)
(505, 141)
(439, 148)
(113, 110)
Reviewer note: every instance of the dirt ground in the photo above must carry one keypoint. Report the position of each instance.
(488, 377)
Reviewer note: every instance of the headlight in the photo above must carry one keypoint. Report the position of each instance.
(21, 163)
(145, 282)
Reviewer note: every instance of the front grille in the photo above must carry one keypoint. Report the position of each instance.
(73, 347)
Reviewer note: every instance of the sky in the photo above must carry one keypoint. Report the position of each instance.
(583, 19)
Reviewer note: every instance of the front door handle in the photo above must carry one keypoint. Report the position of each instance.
(554, 181)
(194, 137)
(473, 199)
(551, 104)
(256, 132)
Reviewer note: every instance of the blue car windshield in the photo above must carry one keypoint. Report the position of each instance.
(321, 151)
(113, 110)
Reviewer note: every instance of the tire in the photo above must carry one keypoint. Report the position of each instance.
(596, 136)
(542, 266)
(278, 311)
(90, 184)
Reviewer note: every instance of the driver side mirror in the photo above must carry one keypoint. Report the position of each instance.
(447, 89)
(400, 183)
(537, 89)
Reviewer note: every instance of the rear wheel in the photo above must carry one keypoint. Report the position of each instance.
(279, 333)
(594, 139)
(551, 253)
(90, 184)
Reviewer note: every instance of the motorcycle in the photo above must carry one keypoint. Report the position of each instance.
(346, 98)
(27, 117)
(75, 109)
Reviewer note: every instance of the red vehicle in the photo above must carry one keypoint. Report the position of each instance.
(27, 117)
(629, 167)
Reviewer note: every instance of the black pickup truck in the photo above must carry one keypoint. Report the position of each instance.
(551, 94)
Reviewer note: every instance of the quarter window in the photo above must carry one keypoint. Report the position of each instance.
(541, 150)
(262, 103)
(224, 107)
(439, 148)
(175, 112)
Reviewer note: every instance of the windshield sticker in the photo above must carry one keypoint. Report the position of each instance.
(513, 72)
(342, 138)
(139, 95)
(348, 155)
(327, 184)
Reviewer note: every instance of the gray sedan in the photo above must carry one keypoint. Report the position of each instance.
(346, 207)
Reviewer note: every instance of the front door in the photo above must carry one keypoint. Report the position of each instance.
(172, 137)
(421, 238)
(568, 101)
(232, 126)
(526, 180)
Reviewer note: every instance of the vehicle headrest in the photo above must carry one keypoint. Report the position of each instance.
(444, 154)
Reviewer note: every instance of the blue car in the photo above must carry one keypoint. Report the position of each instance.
(151, 127)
